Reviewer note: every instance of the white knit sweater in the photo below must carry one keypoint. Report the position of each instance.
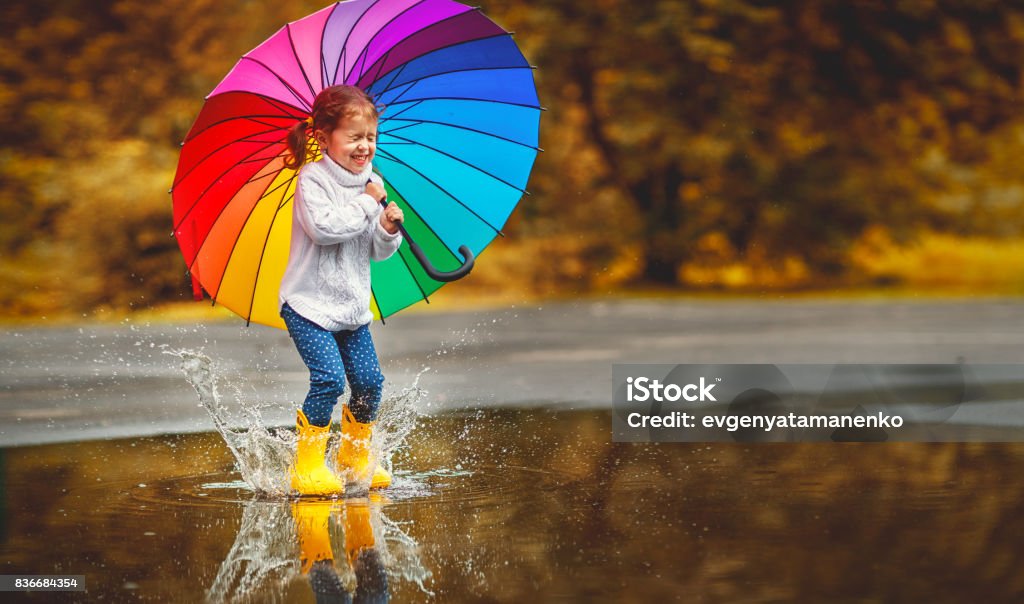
(336, 231)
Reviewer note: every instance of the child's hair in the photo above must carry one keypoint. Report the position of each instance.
(332, 105)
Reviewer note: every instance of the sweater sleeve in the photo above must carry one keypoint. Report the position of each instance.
(328, 221)
(383, 244)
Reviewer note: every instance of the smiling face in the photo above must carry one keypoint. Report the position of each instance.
(353, 143)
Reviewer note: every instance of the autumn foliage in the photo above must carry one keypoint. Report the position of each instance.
(683, 138)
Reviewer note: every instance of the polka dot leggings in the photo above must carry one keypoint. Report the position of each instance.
(331, 357)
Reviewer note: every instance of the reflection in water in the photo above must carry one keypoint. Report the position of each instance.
(531, 505)
(347, 550)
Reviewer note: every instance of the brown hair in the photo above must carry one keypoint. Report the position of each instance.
(333, 104)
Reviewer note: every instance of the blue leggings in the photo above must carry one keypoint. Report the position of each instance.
(331, 357)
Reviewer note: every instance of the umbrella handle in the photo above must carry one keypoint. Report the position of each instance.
(433, 273)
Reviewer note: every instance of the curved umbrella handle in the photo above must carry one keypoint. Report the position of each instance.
(436, 275)
(433, 273)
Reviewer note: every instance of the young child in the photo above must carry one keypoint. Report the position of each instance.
(338, 227)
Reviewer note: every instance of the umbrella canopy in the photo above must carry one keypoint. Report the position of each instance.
(458, 135)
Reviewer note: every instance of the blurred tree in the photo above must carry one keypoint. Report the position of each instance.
(679, 134)
(775, 130)
(97, 97)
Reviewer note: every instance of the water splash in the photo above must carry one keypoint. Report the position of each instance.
(264, 455)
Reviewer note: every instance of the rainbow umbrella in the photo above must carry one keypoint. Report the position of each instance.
(457, 140)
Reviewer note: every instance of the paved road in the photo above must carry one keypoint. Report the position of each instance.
(60, 384)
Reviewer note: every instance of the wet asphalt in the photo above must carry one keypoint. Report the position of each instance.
(69, 383)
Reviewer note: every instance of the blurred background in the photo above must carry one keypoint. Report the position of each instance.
(690, 146)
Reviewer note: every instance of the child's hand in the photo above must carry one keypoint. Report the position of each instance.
(391, 217)
(376, 191)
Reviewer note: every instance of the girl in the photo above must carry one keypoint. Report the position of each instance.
(338, 226)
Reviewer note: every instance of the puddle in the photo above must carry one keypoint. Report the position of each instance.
(263, 454)
(518, 505)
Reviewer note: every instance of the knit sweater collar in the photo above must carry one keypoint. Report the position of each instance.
(343, 176)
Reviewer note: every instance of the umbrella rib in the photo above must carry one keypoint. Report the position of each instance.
(285, 198)
(271, 191)
(445, 47)
(424, 294)
(420, 31)
(408, 267)
(409, 108)
(442, 73)
(266, 141)
(398, 72)
(377, 302)
(266, 192)
(285, 109)
(287, 127)
(341, 57)
(463, 98)
(292, 90)
(402, 93)
(397, 99)
(361, 56)
(252, 117)
(366, 49)
(410, 204)
(283, 106)
(295, 53)
(408, 125)
(234, 244)
(264, 159)
(210, 186)
(411, 207)
(381, 62)
(395, 158)
(323, 59)
(267, 175)
(344, 45)
(417, 122)
(323, 66)
(460, 160)
(247, 139)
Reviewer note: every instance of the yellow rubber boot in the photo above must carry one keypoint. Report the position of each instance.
(311, 530)
(354, 453)
(358, 530)
(310, 474)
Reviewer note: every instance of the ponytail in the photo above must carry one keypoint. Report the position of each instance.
(297, 144)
